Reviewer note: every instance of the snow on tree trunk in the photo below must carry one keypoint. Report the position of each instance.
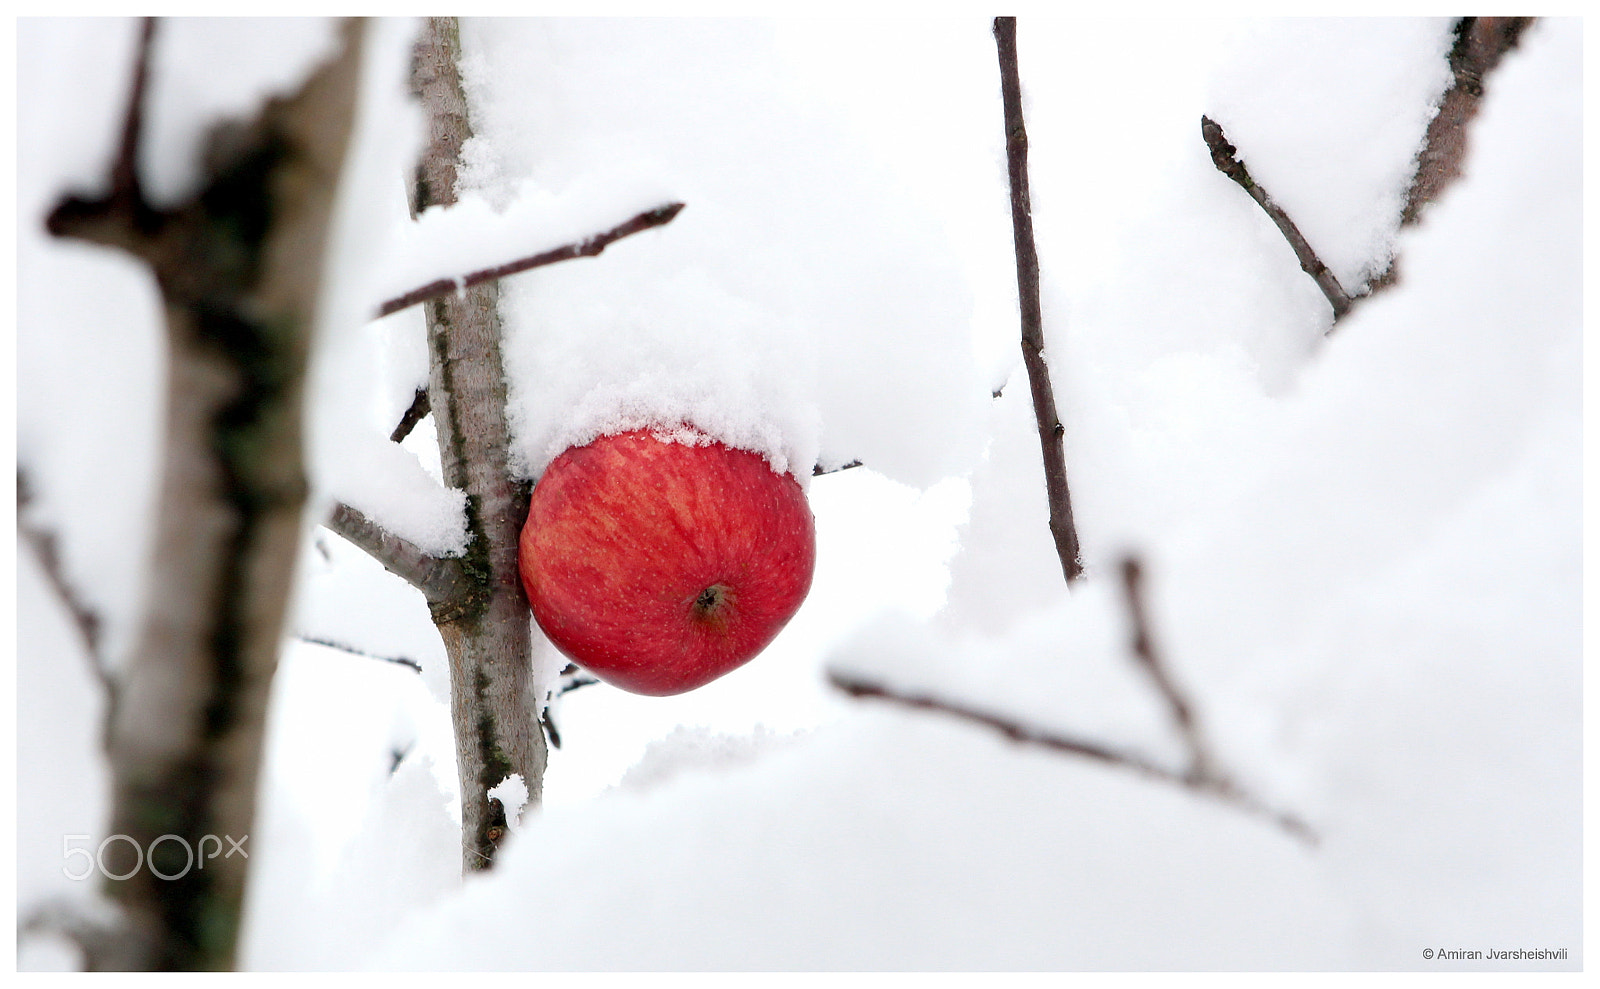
(485, 627)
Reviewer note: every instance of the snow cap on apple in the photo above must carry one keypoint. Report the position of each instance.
(659, 560)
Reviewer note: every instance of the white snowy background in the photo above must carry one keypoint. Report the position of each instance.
(1363, 549)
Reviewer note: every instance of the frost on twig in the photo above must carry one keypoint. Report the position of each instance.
(1201, 775)
(1051, 432)
(586, 248)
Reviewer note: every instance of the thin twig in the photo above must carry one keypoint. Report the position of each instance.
(585, 248)
(84, 618)
(1016, 731)
(405, 661)
(819, 470)
(1051, 432)
(414, 414)
(1223, 155)
(1144, 650)
(572, 678)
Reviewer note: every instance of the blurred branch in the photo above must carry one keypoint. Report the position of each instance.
(1024, 734)
(819, 470)
(1223, 155)
(414, 414)
(239, 267)
(314, 640)
(586, 248)
(438, 578)
(122, 218)
(43, 544)
(1051, 432)
(1150, 660)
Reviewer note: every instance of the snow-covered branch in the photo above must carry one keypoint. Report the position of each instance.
(1225, 157)
(1480, 44)
(1068, 744)
(438, 578)
(1051, 432)
(587, 248)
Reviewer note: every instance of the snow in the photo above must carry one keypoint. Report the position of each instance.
(1362, 550)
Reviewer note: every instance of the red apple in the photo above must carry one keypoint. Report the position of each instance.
(659, 565)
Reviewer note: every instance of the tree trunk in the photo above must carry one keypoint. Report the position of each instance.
(486, 628)
(240, 272)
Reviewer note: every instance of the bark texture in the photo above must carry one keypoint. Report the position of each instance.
(239, 268)
(486, 625)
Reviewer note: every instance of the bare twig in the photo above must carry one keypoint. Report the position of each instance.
(586, 248)
(1021, 733)
(414, 414)
(438, 578)
(316, 640)
(819, 470)
(572, 678)
(84, 618)
(1223, 155)
(1144, 650)
(1051, 432)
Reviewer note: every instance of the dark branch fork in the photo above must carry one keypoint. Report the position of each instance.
(1051, 432)
(1200, 775)
(1480, 43)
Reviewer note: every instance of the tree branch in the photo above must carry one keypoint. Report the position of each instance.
(414, 414)
(122, 217)
(405, 661)
(1051, 432)
(1480, 44)
(1201, 765)
(1223, 156)
(438, 578)
(84, 618)
(1024, 734)
(586, 248)
(819, 470)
